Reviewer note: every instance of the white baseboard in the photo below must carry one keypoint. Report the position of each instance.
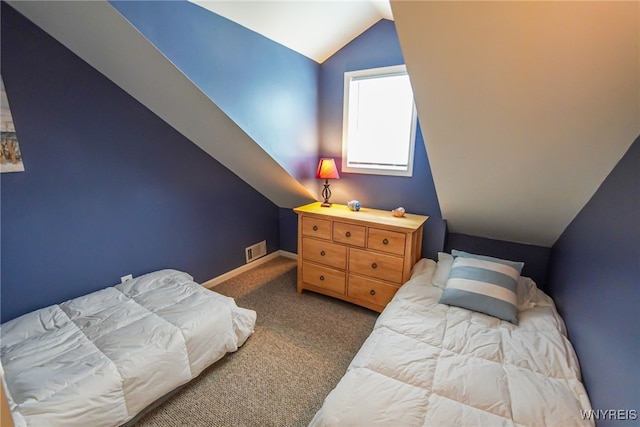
(288, 254)
(236, 271)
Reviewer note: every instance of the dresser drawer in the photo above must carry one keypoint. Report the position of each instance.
(386, 241)
(324, 277)
(319, 228)
(380, 266)
(369, 290)
(350, 234)
(324, 252)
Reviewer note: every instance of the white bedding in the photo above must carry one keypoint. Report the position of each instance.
(429, 364)
(99, 359)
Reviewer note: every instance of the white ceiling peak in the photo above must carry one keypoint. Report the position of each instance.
(315, 29)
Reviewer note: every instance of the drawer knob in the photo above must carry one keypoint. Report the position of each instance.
(385, 242)
(315, 228)
(372, 292)
(348, 234)
(321, 278)
(322, 253)
(374, 265)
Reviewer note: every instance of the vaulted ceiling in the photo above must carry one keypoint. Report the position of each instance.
(525, 106)
(315, 28)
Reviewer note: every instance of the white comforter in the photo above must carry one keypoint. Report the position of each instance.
(99, 359)
(428, 364)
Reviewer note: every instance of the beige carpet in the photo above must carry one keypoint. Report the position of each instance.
(301, 347)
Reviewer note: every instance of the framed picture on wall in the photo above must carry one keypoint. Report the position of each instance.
(10, 155)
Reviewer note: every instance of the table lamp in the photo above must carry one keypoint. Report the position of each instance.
(327, 170)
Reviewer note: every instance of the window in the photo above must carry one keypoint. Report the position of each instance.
(379, 123)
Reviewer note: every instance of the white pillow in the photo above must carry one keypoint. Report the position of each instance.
(526, 292)
(442, 270)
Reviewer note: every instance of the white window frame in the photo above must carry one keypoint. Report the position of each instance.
(378, 168)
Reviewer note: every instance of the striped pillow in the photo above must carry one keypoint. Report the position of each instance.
(484, 284)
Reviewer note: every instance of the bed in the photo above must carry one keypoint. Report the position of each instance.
(432, 364)
(101, 359)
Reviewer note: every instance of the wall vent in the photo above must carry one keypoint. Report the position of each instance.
(256, 251)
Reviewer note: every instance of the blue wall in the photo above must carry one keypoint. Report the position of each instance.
(376, 47)
(109, 188)
(595, 281)
(288, 230)
(270, 91)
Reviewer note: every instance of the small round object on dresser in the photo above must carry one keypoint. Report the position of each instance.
(354, 205)
(399, 212)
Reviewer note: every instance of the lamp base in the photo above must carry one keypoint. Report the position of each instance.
(326, 193)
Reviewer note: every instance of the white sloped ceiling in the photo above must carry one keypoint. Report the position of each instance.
(525, 107)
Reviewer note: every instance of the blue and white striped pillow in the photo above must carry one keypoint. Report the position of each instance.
(484, 284)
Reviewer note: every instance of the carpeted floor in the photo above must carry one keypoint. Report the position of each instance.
(301, 347)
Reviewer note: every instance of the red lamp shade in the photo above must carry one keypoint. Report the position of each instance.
(327, 169)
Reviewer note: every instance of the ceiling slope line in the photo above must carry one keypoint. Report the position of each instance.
(103, 38)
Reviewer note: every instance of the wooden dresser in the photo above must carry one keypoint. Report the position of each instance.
(362, 257)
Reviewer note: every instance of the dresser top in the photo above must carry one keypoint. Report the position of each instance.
(373, 216)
